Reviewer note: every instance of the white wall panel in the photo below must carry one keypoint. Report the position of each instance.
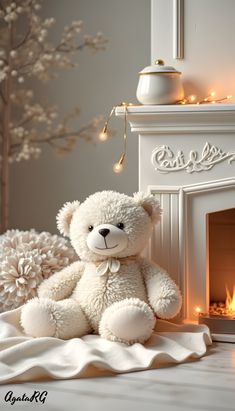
(209, 32)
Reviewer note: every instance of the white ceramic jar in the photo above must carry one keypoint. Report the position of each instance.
(159, 84)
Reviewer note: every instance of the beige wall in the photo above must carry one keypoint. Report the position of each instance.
(40, 187)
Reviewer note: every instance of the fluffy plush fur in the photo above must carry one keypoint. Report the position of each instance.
(111, 290)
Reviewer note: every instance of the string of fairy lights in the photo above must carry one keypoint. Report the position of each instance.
(210, 99)
(192, 99)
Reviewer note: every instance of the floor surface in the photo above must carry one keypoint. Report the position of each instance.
(205, 384)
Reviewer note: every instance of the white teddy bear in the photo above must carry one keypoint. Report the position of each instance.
(111, 290)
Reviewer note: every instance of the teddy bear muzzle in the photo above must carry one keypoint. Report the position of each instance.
(107, 239)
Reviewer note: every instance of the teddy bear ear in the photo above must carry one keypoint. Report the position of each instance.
(150, 204)
(65, 215)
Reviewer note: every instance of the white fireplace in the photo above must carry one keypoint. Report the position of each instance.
(187, 159)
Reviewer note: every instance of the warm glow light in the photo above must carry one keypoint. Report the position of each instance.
(198, 310)
(212, 94)
(230, 301)
(192, 98)
(117, 168)
(103, 136)
(228, 97)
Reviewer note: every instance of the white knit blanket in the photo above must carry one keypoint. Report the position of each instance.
(23, 358)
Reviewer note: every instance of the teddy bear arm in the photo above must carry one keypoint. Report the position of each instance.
(61, 284)
(163, 294)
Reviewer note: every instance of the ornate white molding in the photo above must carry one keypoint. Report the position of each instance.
(165, 161)
(178, 29)
(181, 119)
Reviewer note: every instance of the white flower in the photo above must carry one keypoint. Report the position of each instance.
(38, 67)
(2, 75)
(47, 57)
(43, 32)
(21, 79)
(13, 53)
(26, 259)
(19, 131)
(12, 16)
(49, 22)
(37, 6)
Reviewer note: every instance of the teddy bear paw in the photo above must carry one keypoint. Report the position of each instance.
(168, 307)
(127, 321)
(37, 319)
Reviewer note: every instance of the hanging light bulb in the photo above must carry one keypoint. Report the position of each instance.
(118, 167)
(103, 135)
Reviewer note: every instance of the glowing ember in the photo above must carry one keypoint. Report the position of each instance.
(226, 309)
(230, 301)
(198, 310)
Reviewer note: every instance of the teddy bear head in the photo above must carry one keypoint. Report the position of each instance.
(109, 224)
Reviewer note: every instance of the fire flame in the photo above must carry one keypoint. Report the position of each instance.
(230, 301)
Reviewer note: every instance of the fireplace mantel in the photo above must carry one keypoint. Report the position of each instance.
(183, 118)
(187, 159)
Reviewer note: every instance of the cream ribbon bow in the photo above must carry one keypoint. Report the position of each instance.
(111, 265)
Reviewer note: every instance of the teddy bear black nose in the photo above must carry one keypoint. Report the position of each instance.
(104, 231)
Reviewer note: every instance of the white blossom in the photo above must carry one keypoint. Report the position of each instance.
(2, 75)
(21, 79)
(26, 259)
(49, 22)
(13, 53)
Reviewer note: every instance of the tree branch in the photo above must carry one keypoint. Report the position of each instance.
(54, 137)
(2, 96)
(24, 40)
(68, 50)
(23, 122)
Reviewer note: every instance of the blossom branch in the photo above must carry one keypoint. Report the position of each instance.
(2, 96)
(24, 40)
(25, 124)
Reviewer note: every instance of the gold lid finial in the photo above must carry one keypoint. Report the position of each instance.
(159, 62)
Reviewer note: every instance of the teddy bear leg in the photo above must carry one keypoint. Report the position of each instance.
(47, 318)
(128, 321)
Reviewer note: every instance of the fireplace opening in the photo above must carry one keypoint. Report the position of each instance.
(221, 271)
(221, 236)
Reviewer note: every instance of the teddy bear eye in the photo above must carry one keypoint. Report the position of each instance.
(90, 228)
(120, 225)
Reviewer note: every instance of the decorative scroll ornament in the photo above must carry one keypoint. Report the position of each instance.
(165, 161)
